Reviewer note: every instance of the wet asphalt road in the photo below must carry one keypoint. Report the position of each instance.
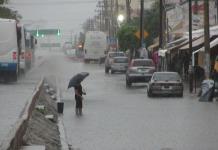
(126, 119)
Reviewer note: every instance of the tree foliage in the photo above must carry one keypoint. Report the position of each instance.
(1, 2)
(126, 32)
(151, 18)
(8, 13)
(126, 37)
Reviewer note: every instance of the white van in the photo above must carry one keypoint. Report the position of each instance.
(8, 50)
(95, 45)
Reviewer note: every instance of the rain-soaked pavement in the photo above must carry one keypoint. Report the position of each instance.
(126, 119)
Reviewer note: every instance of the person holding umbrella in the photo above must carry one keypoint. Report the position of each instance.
(76, 83)
(78, 98)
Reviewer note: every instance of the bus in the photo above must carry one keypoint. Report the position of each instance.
(10, 36)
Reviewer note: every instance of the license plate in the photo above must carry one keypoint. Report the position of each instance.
(143, 70)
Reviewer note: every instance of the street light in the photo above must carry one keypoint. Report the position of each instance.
(120, 18)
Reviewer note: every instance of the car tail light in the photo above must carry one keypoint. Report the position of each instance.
(14, 55)
(28, 55)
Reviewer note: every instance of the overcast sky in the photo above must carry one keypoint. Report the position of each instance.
(65, 14)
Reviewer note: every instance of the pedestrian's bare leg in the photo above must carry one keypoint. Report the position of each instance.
(80, 111)
(77, 111)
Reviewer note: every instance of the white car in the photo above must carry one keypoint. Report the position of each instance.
(109, 59)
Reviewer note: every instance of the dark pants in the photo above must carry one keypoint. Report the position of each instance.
(79, 103)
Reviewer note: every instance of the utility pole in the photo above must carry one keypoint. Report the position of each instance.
(128, 10)
(216, 11)
(100, 10)
(207, 65)
(161, 25)
(106, 15)
(190, 48)
(116, 15)
(142, 24)
(164, 25)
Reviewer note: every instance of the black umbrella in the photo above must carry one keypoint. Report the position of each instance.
(77, 79)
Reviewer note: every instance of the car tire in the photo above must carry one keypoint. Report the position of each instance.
(149, 93)
(128, 83)
(106, 70)
(181, 94)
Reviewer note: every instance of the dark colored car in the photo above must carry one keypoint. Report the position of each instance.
(165, 83)
(140, 70)
(109, 59)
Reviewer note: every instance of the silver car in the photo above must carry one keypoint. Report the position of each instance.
(139, 71)
(165, 83)
(119, 64)
(109, 59)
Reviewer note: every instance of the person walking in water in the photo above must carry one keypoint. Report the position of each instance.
(78, 98)
(75, 82)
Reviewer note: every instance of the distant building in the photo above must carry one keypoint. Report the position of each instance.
(178, 16)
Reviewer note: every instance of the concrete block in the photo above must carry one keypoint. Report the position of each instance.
(33, 147)
(50, 117)
(40, 107)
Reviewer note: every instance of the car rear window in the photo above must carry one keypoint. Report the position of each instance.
(121, 60)
(116, 54)
(143, 63)
(166, 77)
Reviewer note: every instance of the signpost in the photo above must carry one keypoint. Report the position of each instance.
(137, 34)
(43, 32)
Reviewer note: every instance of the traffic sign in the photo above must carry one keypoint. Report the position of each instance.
(137, 34)
(43, 32)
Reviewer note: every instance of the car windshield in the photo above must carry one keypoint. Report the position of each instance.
(116, 54)
(121, 60)
(143, 63)
(166, 77)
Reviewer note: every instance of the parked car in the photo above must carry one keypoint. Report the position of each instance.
(140, 70)
(165, 83)
(119, 64)
(109, 59)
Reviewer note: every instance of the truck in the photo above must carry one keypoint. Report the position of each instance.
(95, 46)
(10, 36)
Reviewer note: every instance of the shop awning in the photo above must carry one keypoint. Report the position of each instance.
(202, 49)
(177, 46)
(195, 43)
(212, 44)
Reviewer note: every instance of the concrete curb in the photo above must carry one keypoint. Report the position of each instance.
(13, 140)
(63, 135)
